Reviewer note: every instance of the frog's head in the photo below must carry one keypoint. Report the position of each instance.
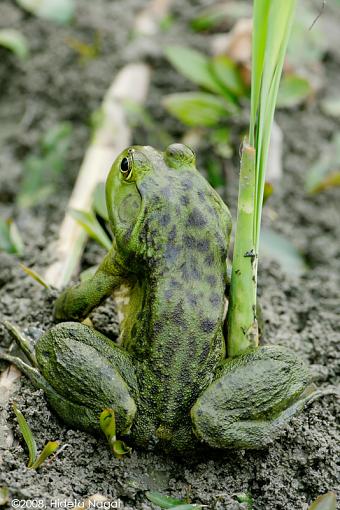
(158, 203)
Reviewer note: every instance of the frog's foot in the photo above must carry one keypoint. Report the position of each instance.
(252, 398)
(82, 372)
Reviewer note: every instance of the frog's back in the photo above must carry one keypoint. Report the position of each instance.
(178, 333)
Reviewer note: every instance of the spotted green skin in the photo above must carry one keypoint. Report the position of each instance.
(168, 381)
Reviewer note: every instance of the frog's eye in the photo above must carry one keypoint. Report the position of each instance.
(126, 167)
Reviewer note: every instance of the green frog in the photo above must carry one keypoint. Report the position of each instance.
(168, 379)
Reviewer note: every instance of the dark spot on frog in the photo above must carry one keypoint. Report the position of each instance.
(202, 244)
(187, 184)
(201, 195)
(128, 233)
(209, 259)
(196, 219)
(175, 284)
(154, 390)
(184, 199)
(192, 298)
(171, 253)
(211, 279)
(204, 354)
(168, 294)
(189, 241)
(164, 220)
(215, 299)
(207, 325)
(172, 234)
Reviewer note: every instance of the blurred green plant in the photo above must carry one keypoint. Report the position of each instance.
(35, 276)
(14, 41)
(10, 238)
(222, 96)
(95, 221)
(86, 51)
(41, 170)
(35, 460)
(325, 173)
(218, 15)
(168, 502)
(59, 11)
(325, 502)
(4, 496)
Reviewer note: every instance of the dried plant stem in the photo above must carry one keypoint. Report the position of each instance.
(112, 136)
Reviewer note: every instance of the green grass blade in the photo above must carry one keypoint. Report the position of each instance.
(34, 275)
(27, 435)
(272, 20)
(269, 50)
(91, 225)
(47, 451)
(163, 501)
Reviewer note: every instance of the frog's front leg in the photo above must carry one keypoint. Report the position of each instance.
(252, 397)
(83, 372)
(78, 301)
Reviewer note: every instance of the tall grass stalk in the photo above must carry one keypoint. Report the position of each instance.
(272, 20)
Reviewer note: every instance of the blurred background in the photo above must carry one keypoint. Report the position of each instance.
(58, 58)
(79, 81)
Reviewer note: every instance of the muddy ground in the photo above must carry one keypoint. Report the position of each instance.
(303, 314)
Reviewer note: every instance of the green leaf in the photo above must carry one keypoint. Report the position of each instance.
(39, 177)
(163, 501)
(14, 41)
(27, 435)
(331, 106)
(92, 227)
(57, 138)
(325, 502)
(242, 497)
(120, 448)
(331, 180)
(99, 201)
(220, 139)
(268, 191)
(227, 73)
(293, 91)
(193, 65)
(47, 451)
(10, 239)
(107, 423)
(215, 172)
(196, 108)
(33, 274)
(4, 496)
(218, 14)
(60, 11)
(279, 248)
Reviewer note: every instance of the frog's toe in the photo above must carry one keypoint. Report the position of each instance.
(89, 373)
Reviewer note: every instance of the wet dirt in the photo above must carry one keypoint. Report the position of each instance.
(303, 314)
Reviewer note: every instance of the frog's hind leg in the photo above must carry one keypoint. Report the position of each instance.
(82, 372)
(252, 398)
